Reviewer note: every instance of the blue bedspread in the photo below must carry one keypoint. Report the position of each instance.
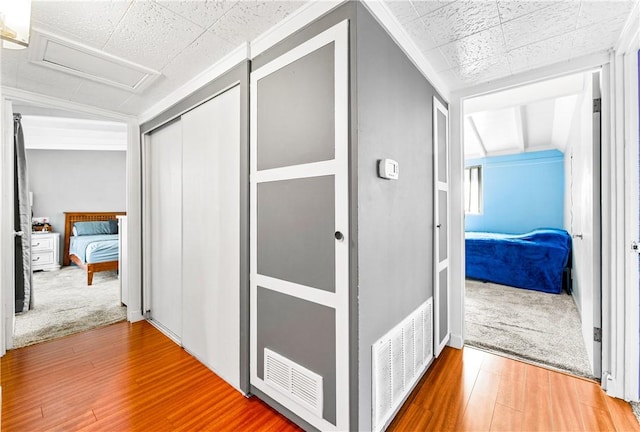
(535, 260)
(95, 248)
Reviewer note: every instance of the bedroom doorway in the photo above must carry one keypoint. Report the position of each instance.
(67, 159)
(532, 222)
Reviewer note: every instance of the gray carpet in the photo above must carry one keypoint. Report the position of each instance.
(635, 407)
(534, 326)
(65, 304)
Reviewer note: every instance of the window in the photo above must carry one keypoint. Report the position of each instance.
(473, 190)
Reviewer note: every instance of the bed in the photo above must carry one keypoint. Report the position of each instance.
(536, 260)
(94, 248)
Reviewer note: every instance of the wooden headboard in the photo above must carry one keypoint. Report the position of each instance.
(72, 217)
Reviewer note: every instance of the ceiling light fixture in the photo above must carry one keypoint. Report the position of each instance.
(15, 21)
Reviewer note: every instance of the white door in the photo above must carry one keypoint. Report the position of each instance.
(164, 174)
(211, 234)
(442, 328)
(585, 222)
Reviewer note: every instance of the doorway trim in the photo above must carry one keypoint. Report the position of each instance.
(7, 98)
(620, 347)
(625, 110)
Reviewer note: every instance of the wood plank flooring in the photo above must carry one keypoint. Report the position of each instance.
(124, 377)
(130, 377)
(472, 390)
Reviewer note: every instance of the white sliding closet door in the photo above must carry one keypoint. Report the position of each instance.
(164, 167)
(211, 234)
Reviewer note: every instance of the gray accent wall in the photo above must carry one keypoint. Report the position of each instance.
(391, 222)
(76, 180)
(395, 217)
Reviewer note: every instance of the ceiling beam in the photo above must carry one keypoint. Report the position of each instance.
(474, 129)
(521, 127)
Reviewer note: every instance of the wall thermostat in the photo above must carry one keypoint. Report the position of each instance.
(388, 169)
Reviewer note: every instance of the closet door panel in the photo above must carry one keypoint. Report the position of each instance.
(164, 165)
(211, 234)
(299, 283)
(296, 231)
(295, 119)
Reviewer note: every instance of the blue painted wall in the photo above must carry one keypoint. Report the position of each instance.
(521, 192)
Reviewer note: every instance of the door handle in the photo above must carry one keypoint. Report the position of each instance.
(580, 236)
(338, 235)
(438, 226)
(18, 233)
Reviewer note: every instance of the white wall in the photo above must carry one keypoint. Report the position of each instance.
(63, 180)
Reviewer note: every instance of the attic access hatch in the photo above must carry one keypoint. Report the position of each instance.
(74, 58)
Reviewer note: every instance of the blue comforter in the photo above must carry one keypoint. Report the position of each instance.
(95, 248)
(535, 260)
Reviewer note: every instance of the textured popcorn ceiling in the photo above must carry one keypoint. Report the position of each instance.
(467, 42)
(470, 42)
(178, 38)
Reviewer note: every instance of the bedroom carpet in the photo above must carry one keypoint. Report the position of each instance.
(635, 407)
(529, 325)
(65, 304)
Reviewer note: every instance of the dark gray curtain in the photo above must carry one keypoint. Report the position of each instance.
(22, 222)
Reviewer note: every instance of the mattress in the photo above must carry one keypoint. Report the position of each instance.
(534, 261)
(95, 248)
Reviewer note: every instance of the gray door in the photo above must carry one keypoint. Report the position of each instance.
(299, 229)
(442, 330)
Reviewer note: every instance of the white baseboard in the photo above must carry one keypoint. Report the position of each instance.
(134, 316)
(456, 341)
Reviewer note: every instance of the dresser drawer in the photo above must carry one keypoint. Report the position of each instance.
(41, 244)
(41, 259)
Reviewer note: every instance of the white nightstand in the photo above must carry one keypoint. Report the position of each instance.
(45, 251)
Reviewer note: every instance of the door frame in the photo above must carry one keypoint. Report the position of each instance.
(598, 198)
(625, 125)
(620, 351)
(7, 97)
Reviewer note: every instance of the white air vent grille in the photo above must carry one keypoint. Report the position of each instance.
(293, 380)
(399, 358)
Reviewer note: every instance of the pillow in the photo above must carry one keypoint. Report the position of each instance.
(94, 228)
(113, 225)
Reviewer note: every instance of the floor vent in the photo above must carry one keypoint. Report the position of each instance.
(295, 381)
(399, 358)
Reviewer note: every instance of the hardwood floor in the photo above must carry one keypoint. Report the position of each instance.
(472, 390)
(124, 377)
(130, 377)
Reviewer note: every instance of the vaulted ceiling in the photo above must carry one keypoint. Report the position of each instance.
(528, 118)
(466, 41)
